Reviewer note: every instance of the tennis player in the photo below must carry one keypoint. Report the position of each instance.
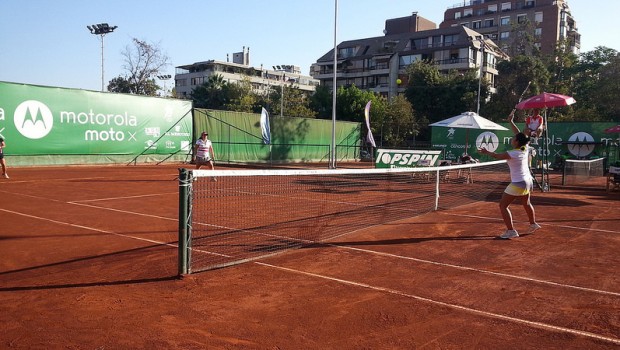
(2, 161)
(521, 184)
(203, 151)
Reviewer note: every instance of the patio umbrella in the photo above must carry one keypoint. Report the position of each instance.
(546, 100)
(469, 120)
(613, 130)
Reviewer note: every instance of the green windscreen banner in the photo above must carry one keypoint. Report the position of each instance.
(38, 120)
(578, 140)
(237, 137)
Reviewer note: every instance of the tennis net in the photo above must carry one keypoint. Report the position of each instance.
(228, 217)
(578, 171)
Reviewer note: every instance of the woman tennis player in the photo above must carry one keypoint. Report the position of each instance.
(521, 184)
(203, 151)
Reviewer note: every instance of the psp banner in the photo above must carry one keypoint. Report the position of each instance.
(38, 120)
(393, 158)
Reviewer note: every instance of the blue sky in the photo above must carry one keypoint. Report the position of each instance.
(46, 42)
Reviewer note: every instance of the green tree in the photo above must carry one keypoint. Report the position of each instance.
(523, 40)
(143, 61)
(296, 102)
(588, 75)
(436, 96)
(399, 123)
(321, 102)
(511, 83)
(211, 94)
(608, 90)
(240, 96)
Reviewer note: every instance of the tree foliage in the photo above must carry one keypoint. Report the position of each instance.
(435, 96)
(521, 77)
(142, 62)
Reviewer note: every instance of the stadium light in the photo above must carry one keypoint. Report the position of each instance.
(164, 78)
(101, 29)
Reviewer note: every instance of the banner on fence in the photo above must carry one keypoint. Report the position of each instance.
(38, 120)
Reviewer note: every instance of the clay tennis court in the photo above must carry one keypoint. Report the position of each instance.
(89, 261)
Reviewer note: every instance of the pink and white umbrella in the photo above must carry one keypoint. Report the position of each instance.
(546, 100)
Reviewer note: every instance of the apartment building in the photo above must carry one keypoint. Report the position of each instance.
(551, 21)
(188, 77)
(379, 63)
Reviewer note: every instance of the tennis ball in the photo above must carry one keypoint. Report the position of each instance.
(398, 81)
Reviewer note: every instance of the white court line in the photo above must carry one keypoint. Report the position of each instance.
(383, 289)
(126, 197)
(547, 224)
(460, 267)
(87, 228)
(453, 306)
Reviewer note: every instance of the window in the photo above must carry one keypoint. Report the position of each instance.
(468, 12)
(409, 59)
(506, 6)
(504, 21)
(521, 19)
(476, 24)
(449, 40)
(504, 35)
(489, 23)
(454, 56)
(457, 15)
(346, 52)
(492, 8)
(538, 17)
(538, 31)
(418, 44)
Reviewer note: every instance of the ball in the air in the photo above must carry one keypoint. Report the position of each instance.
(398, 81)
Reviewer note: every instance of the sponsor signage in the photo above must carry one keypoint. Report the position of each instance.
(573, 140)
(37, 120)
(393, 158)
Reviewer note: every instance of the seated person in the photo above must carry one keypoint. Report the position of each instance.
(534, 124)
(467, 159)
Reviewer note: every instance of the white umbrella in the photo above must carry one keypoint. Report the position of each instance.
(469, 120)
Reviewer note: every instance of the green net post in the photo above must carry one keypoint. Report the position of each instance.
(185, 182)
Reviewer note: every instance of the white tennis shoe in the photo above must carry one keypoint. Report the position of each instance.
(533, 227)
(509, 234)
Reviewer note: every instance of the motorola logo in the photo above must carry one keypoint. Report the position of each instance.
(487, 140)
(33, 119)
(581, 144)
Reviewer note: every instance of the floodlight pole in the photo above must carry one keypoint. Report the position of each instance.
(101, 29)
(332, 160)
(481, 40)
(282, 99)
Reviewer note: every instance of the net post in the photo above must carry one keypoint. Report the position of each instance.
(185, 181)
(437, 175)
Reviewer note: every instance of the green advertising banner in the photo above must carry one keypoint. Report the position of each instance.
(393, 158)
(236, 137)
(37, 120)
(565, 140)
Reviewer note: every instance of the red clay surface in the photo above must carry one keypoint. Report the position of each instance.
(88, 260)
